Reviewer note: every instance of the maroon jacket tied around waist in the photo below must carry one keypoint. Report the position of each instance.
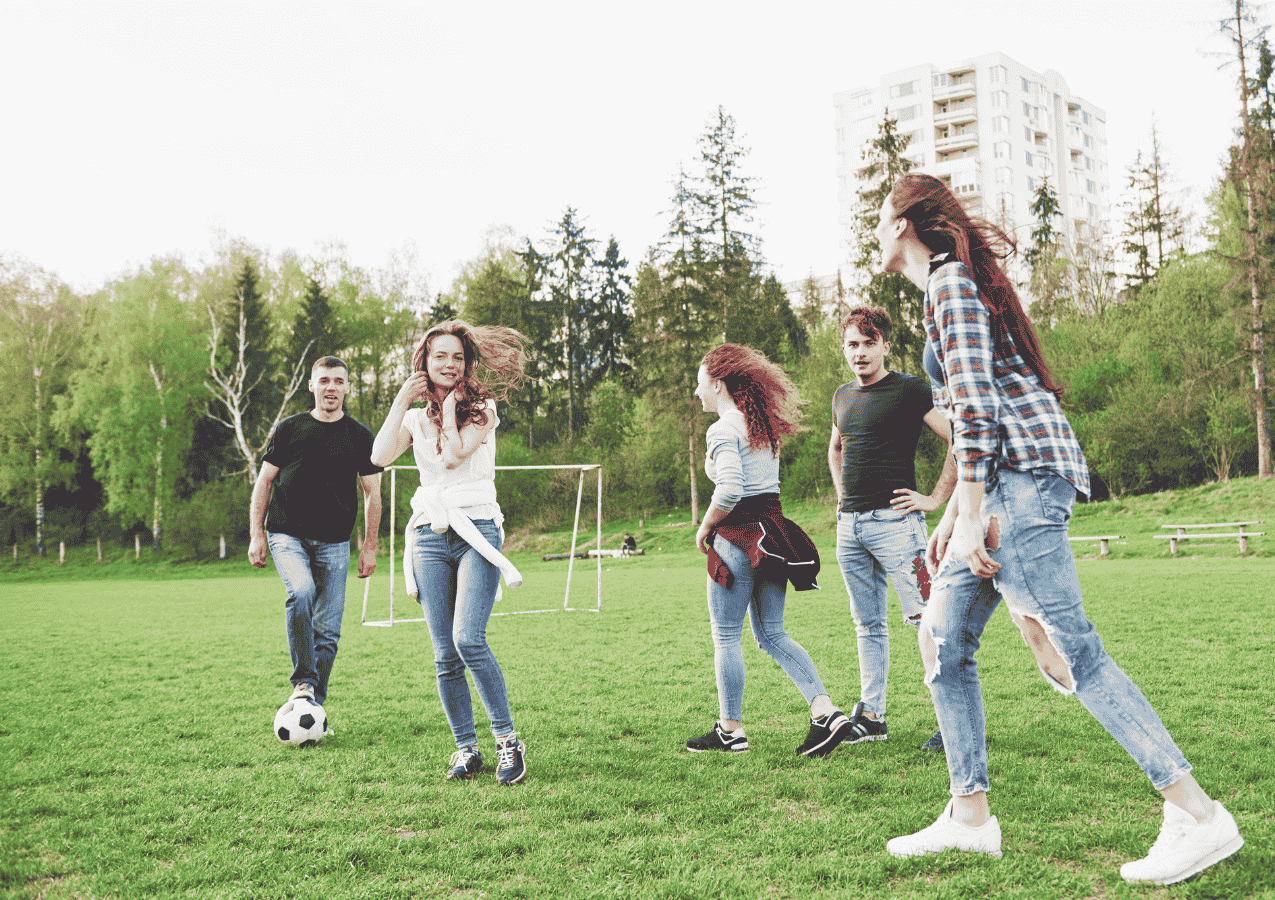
(777, 547)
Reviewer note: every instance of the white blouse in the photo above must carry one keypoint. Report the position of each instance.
(477, 469)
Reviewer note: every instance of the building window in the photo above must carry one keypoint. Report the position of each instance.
(999, 73)
(1031, 182)
(1000, 124)
(906, 114)
(1001, 149)
(1088, 163)
(1027, 110)
(1000, 99)
(1027, 86)
(861, 100)
(1088, 141)
(1027, 134)
(1004, 175)
(940, 81)
(1090, 186)
(1028, 154)
(1085, 117)
(902, 90)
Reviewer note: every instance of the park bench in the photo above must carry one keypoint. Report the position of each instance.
(1180, 533)
(1105, 540)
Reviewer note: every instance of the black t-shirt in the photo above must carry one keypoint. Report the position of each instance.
(315, 494)
(880, 425)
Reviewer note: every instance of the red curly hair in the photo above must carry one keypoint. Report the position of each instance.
(494, 360)
(764, 394)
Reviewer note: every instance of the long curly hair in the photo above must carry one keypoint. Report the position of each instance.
(942, 224)
(495, 357)
(764, 394)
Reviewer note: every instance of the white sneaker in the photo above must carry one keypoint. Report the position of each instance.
(948, 834)
(1185, 847)
(303, 691)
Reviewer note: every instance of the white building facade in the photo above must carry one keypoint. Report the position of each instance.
(991, 128)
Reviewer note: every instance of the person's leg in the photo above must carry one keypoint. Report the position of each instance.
(727, 608)
(293, 565)
(959, 607)
(476, 582)
(435, 573)
(866, 584)
(329, 565)
(767, 618)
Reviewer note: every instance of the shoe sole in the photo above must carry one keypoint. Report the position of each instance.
(1227, 849)
(866, 738)
(743, 749)
(830, 743)
(523, 775)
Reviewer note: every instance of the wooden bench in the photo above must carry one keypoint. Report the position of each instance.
(1105, 540)
(1181, 535)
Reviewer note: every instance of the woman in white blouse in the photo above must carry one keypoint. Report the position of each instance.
(454, 536)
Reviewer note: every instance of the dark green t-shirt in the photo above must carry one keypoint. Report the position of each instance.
(880, 425)
(315, 493)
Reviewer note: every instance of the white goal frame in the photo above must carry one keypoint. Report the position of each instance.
(566, 600)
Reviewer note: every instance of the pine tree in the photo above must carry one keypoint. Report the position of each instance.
(1047, 258)
(884, 165)
(315, 332)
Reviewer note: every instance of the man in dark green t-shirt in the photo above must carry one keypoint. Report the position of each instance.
(881, 533)
(313, 463)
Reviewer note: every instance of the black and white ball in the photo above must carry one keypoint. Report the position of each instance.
(300, 722)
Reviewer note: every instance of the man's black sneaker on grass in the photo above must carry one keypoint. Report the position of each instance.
(717, 739)
(825, 734)
(864, 729)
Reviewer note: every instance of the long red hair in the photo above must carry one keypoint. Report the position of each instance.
(494, 360)
(942, 225)
(764, 394)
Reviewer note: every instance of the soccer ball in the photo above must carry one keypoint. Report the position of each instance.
(301, 723)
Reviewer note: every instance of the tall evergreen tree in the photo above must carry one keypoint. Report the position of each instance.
(884, 165)
(612, 318)
(316, 331)
(1047, 258)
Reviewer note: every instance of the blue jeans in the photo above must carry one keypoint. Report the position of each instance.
(871, 546)
(313, 573)
(458, 589)
(726, 611)
(1037, 581)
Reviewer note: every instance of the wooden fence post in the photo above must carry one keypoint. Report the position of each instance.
(137, 546)
(61, 552)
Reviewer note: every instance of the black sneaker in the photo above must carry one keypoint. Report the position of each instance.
(935, 743)
(717, 739)
(864, 729)
(825, 734)
(466, 763)
(511, 760)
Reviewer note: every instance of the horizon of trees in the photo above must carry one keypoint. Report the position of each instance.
(146, 406)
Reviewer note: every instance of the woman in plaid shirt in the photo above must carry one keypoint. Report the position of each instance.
(1004, 536)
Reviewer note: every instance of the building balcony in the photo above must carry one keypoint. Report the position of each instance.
(955, 91)
(956, 142)
(966, 112)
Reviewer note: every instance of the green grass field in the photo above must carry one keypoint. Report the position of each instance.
(138, 760)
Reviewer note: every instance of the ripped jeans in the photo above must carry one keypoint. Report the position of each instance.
(871, 546)
(1037, 581)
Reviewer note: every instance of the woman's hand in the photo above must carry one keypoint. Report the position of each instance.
(972, 545)
(416, 387)
(701, 538)
(449, 408)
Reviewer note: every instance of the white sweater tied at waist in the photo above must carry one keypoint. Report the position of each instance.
(443, 508)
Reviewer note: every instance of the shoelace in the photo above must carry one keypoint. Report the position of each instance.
(1169, 833)
(505, 753)
(462, 757)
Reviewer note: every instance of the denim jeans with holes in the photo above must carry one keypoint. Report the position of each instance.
(871, 546)
(1037, 580)
(458, 589)
(313, 573)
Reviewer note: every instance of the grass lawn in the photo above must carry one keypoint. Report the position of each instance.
(137, 760)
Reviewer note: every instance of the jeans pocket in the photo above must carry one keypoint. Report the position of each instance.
(1057, 496)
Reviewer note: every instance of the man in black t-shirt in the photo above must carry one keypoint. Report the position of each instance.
(313, 462)
(876, 423)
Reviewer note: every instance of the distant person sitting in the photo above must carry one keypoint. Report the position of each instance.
(628, 546)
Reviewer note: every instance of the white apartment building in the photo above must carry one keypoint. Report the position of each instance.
(991, 128)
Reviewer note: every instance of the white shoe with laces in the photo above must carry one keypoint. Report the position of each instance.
(1185, 846)
(948, 834)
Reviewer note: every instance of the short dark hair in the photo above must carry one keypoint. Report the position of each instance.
(872, 321)
(329, 362)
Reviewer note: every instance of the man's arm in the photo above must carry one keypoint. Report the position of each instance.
(907, 500)
(834, 461)
(371, 485)
(257, 548)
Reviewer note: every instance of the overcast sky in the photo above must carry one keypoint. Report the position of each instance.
(136, 130)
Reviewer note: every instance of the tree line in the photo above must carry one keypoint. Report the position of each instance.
(147, 406)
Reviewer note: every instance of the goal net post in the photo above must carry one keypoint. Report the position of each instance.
(396, 560)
